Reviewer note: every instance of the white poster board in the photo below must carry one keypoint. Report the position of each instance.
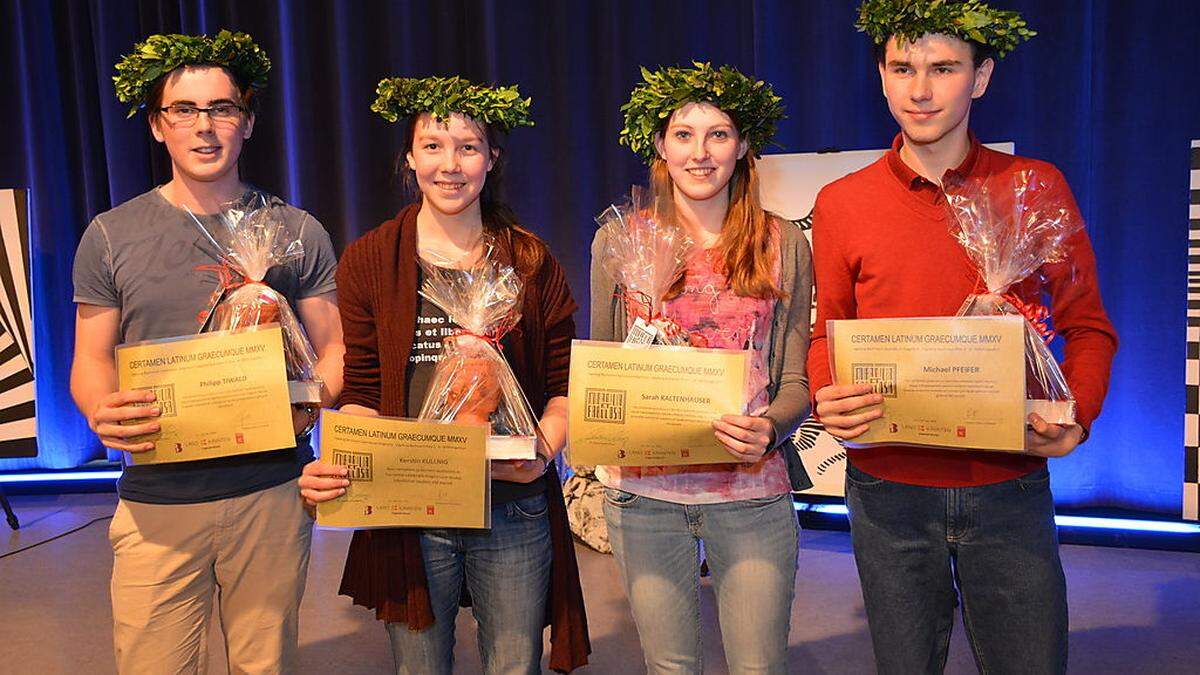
(788, 187)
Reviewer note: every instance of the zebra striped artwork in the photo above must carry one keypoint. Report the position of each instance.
(18, 422)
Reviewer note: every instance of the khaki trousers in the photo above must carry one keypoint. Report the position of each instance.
(170, 560)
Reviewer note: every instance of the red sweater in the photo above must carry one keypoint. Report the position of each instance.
(882, 247)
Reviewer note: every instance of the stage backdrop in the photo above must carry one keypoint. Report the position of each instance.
(1107, 91)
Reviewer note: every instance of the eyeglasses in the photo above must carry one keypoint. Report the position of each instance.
(228, 114)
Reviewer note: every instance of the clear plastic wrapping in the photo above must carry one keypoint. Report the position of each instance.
(1009, 232)
(472, 382)
(253, 238)
(644, 256)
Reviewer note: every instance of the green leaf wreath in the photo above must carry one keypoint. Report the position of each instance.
(974, 20)
(752, 104)
(158, 55)
(499, 107)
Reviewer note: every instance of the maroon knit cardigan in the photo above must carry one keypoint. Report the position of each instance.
(377, 299)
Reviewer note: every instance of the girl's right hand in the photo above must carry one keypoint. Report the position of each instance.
(322, 481)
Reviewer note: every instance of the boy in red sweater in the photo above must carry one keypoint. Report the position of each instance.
(930, 526)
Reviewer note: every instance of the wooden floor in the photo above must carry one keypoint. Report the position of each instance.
(1132, 611)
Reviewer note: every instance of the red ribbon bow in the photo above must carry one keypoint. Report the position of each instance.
(1036, 313)
(493, 336)
(641, 305)
(227, 280)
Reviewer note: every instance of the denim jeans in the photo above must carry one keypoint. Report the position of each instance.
(507, 572)
(751, 547)
(996, 544)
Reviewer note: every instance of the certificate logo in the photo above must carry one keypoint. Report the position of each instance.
(429, 510)
(962, 432)
(604, 405)
(881, 377)
(358, 463)
(239, 438)
(164, 398)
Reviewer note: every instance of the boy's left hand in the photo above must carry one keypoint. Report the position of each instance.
(1051, 440)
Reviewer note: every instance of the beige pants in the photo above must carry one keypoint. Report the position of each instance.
(170, 560)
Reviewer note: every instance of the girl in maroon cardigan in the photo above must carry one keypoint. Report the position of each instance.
(520, 575)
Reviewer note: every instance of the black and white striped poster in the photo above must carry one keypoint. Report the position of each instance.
(18, 423)
(1191, 423)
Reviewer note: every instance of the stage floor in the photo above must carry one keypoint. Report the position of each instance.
(1132, 611)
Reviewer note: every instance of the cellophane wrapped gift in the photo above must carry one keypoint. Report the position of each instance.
(644, 256)
(1009, 231)
(472, 382)
(252, 238)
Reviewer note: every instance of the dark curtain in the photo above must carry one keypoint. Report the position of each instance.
(1108, 91)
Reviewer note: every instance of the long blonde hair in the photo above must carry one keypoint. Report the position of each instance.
(744, 248)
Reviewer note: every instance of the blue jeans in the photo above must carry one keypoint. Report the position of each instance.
(507, 572)
(996, 544)
(751, 547)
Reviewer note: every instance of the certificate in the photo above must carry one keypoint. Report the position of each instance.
(405, 473)
(954, 382)
(651, 405)
(221, 394)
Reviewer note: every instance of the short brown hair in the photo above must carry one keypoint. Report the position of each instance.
(979, 51)
(155, 97)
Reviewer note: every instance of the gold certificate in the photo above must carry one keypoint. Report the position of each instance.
(651, 405)
(221, 394)
(405, 473)
(954, 382)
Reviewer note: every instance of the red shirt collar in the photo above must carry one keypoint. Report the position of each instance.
(914, 181)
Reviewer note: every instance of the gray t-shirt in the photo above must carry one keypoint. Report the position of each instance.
(149, 259)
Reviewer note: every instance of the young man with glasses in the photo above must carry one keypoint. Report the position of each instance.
(230, 527)
(938, 528)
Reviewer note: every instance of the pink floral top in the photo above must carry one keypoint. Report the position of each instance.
(715, 317)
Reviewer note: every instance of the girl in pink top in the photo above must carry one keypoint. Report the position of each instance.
(747, 284)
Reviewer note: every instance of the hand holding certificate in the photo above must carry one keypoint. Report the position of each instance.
(405, 473)
(220, 394)
(633, 405)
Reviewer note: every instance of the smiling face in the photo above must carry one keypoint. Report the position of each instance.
(204, 151)
(701, 147)
(929, 85)
(450, 159)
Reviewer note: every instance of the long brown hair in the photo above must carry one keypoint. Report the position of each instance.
(498, 218)
(744, 248)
